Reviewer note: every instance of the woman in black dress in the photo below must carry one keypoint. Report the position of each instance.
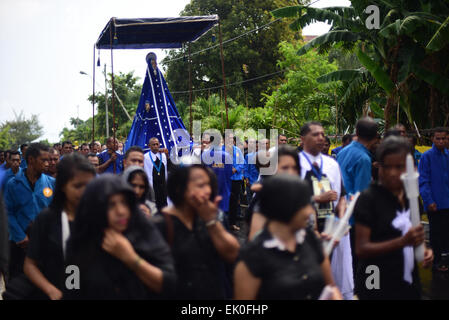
(384, 235)
(286, 260)
(200, 244)
(44, 263)
(119, 252)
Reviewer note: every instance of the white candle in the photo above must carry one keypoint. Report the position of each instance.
(410, 180)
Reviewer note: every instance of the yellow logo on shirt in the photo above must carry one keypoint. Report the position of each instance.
(48, 192)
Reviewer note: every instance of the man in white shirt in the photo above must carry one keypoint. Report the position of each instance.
(323, 174)
(156, 164)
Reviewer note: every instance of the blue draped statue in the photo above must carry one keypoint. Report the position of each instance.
(156, 114)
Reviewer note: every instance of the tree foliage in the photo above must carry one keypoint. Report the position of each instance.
(21, 130)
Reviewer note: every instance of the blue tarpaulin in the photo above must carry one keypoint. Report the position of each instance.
(154, 33)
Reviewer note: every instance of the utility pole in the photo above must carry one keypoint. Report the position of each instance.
(106, 100)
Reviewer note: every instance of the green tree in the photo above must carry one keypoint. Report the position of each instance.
(258, 50)
(20, 130)
(407, 56)
(301, 98)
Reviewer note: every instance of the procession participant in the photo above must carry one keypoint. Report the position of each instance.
(402, 130)
(384, 235)
(23, 150)
(156, 165)
(44, 262)
(212, 151)
(7, 163)
(53, 157)
(67, 148)
(110, 160)
(286, 260)
(93, 159)
(26, 195)
(58, 147)
(288, 163)
(84, 149)
(251, 173)
(14, 167)
(119, 252)
(200, 244)
(324, 177)
(434, 189)
(282, 139)
(346, 140)
(356, 164)
(326, 146)
(134, 156)
(138, 179)
(2, 159)
(238, 167)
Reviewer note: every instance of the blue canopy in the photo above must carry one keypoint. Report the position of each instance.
(155, 33)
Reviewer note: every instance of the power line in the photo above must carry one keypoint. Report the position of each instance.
(232, 39)
(232, 84)
(224, 42)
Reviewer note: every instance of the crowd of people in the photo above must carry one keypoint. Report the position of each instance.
(139, 225)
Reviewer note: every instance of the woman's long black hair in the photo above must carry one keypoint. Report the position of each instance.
(92, 215)
(178, 180)
(66, 170)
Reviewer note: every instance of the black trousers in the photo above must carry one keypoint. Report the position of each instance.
(439, 233)
(234, 200)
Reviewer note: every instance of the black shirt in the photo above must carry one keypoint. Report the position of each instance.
(45, 246)
(376, 209)
(286, 275)
(200, 270)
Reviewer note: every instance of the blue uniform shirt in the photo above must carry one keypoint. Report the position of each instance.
(223, 171)
(434, 178)
(355, 165)
(24, 204)
(8, 176)
(238, 162)
(105, 156)
(251, 171)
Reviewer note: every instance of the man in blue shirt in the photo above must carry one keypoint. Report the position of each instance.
(110, 159)
(434, 189)
(346, 140)
(355, 164)
(26, 195)
(14, 160)
(238, 168)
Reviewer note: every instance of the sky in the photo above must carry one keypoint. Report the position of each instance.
(46, 43)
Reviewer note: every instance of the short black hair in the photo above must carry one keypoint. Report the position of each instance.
(53, 150)
(178, 180)
(282, 195)
(286, 150)
(91, 154)
(84, 144)
(23, 146)
(12, 153)
(56, 145)
(366, 129)
(305, 129)
(133, 149)
(34, 150)
(439, 129)
(66, 142)
(346, 137)
(393, 145)
(392, 132)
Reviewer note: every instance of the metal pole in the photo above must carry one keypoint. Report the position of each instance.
(93, 100)
(112, 24)
(224, 77)
(106, 100)
(190, 92)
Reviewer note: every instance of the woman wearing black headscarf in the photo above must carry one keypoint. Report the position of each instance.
(286, 260)
(119, 252)
(138, 180)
